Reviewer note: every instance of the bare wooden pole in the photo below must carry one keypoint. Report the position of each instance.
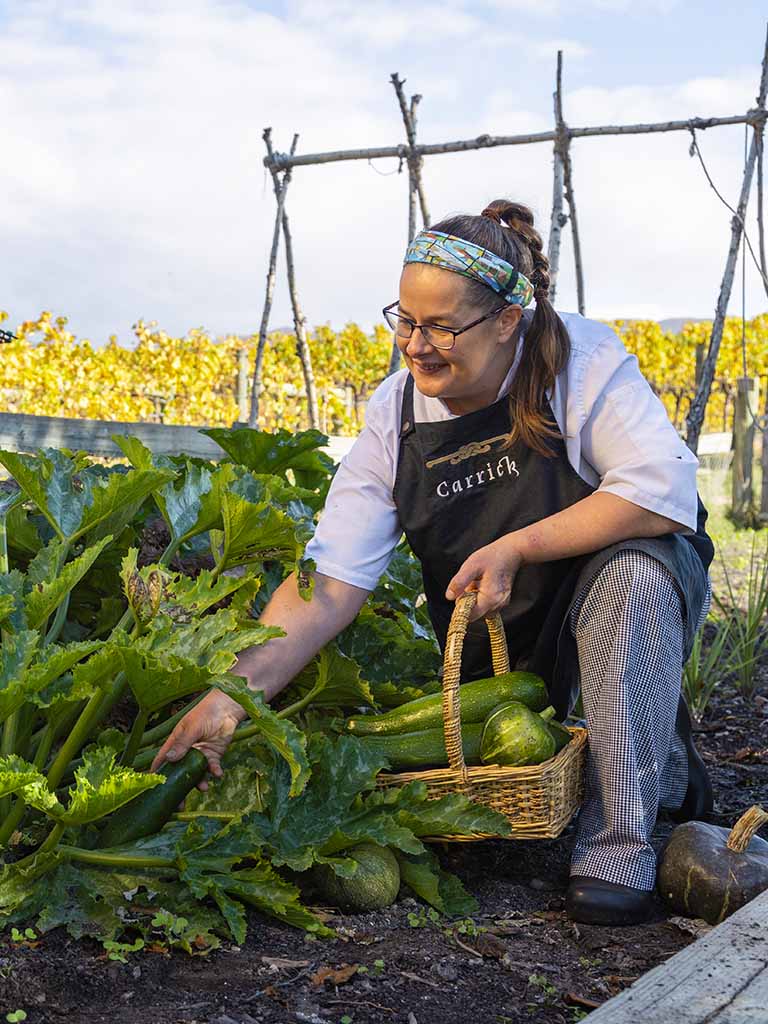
(558, 219)
(282, 160)
(764, 461)
(699, 403)
(281, 187)
(570, 198)
(759, 140)
(415, 184)
(413, 155)
(299, 320)
(742, 490)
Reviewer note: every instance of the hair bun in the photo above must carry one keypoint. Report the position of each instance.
(493, 214)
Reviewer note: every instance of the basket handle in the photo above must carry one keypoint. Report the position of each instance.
(454, 644)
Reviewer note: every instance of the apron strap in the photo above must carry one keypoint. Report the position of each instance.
(406, 412)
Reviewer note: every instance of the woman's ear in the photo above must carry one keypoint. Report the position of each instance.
(508, 322)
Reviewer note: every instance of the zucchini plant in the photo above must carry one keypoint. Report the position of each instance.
(102, 654)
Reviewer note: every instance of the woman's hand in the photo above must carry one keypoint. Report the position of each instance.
(209, 727)
(490, 572)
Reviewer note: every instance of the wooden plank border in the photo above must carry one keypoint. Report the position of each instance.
(24, 433)
(721, 978)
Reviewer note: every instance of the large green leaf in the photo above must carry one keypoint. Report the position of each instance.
(190, 505)
(175, 659)
(386, 644)
(85, 678)
(16, 653)
(101, 787)
(50, 479)
(279, 733)
(294, 829)
(16, 774)
(262, 452)
(254, 533)
(78, 499)
(44, 598)
(423, 874)
(115, 503)
(332, 679)
(20, 883)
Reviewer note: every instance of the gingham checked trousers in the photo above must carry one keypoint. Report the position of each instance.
(627, 621)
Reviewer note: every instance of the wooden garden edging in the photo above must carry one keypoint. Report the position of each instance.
(721, 978)
(20, 432)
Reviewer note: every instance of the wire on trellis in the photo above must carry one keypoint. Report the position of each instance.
(759, 422)
(694, 149)
(387, 174)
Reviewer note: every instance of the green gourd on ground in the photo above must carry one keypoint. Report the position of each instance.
(374, 885)
(477, 700)
(150, 811)
(708, 871)
(513, 735)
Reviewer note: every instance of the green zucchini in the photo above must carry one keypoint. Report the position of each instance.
(478, 699)
(149, 811)
(424, 748)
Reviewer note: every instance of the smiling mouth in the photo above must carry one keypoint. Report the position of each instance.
(429, 367)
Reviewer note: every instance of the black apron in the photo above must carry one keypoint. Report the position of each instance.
(457, 489)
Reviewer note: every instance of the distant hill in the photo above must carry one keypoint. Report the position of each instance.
(676, 323)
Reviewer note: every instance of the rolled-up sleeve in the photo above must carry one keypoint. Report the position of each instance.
(359, 527)
(628, 438)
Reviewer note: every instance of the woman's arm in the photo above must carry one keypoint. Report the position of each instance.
(308, 625)
(593, 523)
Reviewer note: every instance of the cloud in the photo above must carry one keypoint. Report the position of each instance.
(132, 182)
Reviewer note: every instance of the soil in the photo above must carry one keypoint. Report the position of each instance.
(521, 960)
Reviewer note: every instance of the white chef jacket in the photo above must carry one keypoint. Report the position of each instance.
(617, 434)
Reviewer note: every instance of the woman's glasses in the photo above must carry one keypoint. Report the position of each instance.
(438, 337)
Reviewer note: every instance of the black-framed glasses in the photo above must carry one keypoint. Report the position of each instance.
(438, 337)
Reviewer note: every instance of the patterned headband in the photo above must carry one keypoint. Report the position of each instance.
(473, 261)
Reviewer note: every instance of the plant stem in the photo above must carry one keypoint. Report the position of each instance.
(194, 815)
(115, 860)
(159, 732)
(72, 744)
(134, 740)
(8, 746)
(58, 622)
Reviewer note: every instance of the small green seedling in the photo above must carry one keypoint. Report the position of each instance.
(170, 924)
(15, 1015)
(28, 935)
(346, 1019)
(117, 950)
(425, 917)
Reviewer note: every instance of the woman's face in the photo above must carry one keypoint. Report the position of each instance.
(472, 371)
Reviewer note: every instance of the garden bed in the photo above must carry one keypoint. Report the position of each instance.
(520, 959)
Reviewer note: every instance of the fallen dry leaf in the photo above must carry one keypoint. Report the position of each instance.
(335, 975)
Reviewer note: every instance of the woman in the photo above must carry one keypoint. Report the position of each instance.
(525, 457)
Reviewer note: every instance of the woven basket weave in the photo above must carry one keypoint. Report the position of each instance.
(537, 800)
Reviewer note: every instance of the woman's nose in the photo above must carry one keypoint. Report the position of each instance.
(417, 343)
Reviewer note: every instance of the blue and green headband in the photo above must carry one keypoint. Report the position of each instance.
(470, 260)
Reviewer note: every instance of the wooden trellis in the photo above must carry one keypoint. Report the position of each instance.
(412, 154)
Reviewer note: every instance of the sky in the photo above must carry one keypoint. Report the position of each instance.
(131, 176)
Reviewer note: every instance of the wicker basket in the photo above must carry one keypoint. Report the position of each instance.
(537, 800)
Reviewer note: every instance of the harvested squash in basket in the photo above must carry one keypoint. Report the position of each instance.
(707, 871)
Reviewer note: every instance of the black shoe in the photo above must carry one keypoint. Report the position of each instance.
(698, 799)
(594, 901)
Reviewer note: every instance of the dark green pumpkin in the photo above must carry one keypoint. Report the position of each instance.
(707, 871)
